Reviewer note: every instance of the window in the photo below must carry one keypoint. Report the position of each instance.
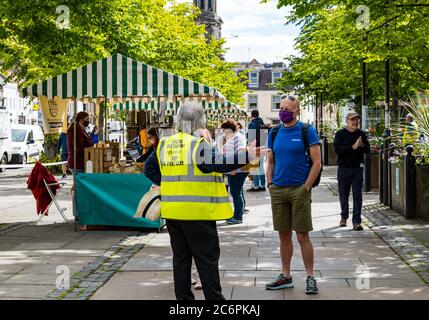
(18, 135)
(253, 102)
(276, 102)
(276, 76)
(30, 136)
(254, 79)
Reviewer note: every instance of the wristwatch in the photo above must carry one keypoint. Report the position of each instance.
(269, 184)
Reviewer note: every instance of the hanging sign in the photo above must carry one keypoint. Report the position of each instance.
(54, 113)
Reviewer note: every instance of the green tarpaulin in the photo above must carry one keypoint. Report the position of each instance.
(112, 199)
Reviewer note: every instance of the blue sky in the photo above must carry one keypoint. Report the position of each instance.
(248, 24)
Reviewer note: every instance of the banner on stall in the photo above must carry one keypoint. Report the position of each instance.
(54, 113)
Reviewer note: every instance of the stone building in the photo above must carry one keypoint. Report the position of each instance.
(209, 18)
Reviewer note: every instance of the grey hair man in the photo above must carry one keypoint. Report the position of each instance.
(193, 198)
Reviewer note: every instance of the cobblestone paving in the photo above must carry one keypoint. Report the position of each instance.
(87, 281)
(386, 224)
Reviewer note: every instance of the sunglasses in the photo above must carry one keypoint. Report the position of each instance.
(285, 96)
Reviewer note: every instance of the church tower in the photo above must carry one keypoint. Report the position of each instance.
(209, 17)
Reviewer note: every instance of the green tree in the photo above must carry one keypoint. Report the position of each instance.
(161, 33)
(332, 48)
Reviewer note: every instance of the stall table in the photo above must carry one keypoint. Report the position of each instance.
(112, 200)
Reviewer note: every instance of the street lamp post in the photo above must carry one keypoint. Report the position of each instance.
(2, 98)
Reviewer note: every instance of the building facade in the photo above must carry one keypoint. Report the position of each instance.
(21, 111)
(263, 94)
(209, 18)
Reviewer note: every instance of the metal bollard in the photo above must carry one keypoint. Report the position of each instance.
(380, 174)
(367, 177)
(389, 176)
(410, 184)
(385, 166)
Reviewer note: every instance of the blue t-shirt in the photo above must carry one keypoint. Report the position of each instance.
(292, 165)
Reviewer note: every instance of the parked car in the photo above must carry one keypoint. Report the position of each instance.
(5, 147)
(26, 141)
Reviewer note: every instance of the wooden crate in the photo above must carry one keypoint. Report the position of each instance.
(103, 156)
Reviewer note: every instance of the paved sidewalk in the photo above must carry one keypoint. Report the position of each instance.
(135, 265)
(250, 258)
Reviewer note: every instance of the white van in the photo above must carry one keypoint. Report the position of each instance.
(5, 148)
(26, 141)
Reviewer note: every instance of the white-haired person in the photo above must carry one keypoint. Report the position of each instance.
(193, 197)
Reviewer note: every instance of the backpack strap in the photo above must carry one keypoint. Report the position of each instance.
(274, 135)
(304, 133)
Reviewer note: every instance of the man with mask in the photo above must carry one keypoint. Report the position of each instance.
(290, 180)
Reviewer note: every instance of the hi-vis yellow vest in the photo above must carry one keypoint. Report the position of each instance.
(186, 192)
(411, 134)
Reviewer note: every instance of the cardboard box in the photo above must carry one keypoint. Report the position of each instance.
(103, 156)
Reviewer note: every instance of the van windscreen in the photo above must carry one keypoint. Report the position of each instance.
(18, 135)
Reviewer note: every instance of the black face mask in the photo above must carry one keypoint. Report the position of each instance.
(86, 123)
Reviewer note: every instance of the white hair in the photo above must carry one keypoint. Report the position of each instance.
(190, 117)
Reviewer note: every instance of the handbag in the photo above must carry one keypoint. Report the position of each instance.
(250, 166)
(150, 205)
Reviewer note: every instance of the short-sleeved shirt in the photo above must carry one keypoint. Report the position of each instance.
(292, 165)
(234, 144)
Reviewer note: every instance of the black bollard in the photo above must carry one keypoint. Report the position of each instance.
(325, 151)
(367, 173)
(380, 174)
(389, 176)
(385, 166)
(410, 184)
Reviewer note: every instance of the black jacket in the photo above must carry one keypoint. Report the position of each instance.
(343, 144)
(255, 127)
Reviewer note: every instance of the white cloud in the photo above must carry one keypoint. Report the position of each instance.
(260, 27)
(272, 48)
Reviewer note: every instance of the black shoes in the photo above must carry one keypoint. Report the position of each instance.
(357, 227)
(256, 189)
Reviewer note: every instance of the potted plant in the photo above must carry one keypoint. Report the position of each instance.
(328, 131)
(418, 108)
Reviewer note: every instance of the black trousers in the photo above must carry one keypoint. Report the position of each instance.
(350, 178)
(197, 239)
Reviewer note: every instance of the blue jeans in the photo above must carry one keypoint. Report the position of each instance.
(259, 177)
(236, 183)
(259, 181)
(350, 178)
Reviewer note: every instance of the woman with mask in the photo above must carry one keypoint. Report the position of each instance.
(83, 140)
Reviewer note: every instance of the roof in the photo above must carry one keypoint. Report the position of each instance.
(119, 78)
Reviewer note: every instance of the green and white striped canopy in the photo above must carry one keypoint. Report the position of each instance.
(119, 79)
(140, 105)
(212, 107)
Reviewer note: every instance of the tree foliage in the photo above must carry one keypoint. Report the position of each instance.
(332, 47)
(161, 33)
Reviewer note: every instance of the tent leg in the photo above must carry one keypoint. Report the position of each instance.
(74, 173)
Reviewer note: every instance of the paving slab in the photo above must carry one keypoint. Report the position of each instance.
(25, 291)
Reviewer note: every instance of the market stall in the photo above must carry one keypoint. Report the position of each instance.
(111, 199)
